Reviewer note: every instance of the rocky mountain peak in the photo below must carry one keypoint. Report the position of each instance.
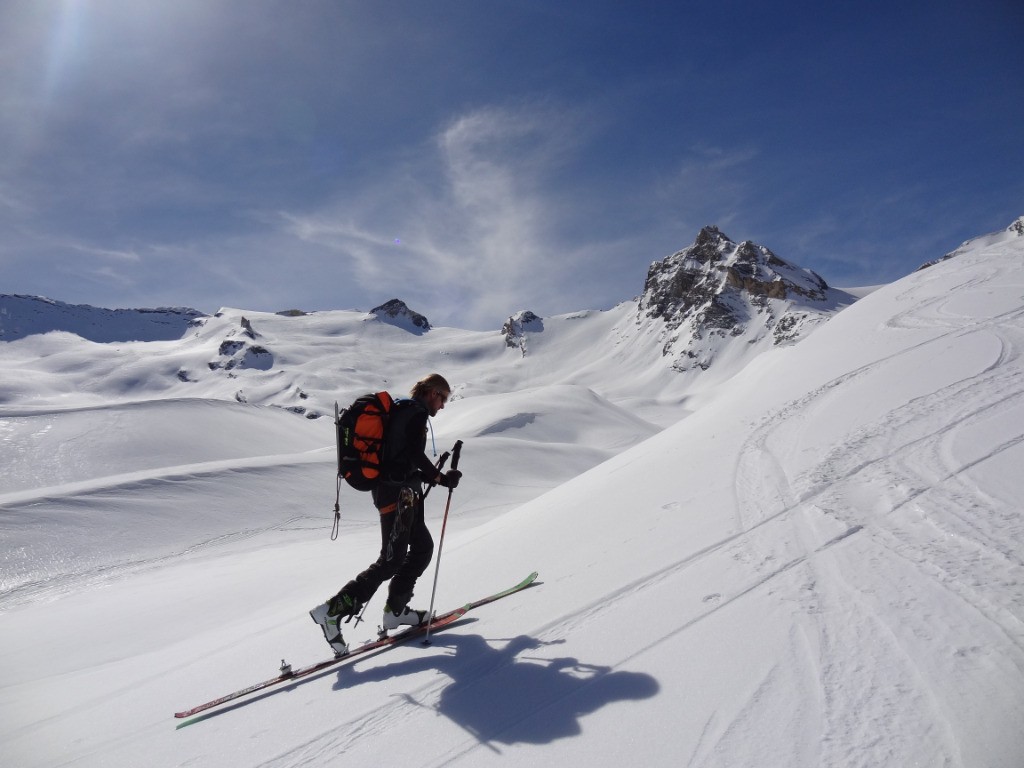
(398, 313)
(718, 288)
(518, 326)
(710, 244)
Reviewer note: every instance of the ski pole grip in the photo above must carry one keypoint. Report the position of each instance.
(443, 460)
(456, 453)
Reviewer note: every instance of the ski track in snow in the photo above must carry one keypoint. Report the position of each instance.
(905, 461)
(390, 716)
(785, 524)
(559, 630)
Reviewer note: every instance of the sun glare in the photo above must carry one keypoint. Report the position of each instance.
(65, 43)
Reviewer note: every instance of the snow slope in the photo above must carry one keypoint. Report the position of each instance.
(819, 565)
(22, 316)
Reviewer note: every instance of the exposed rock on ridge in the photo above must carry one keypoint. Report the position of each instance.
(397, 313)
(517, 328)
(1015, 230)
(716, 290)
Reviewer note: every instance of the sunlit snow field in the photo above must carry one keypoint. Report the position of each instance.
(811, 557)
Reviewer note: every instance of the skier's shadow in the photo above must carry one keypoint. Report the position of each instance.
(498, 696)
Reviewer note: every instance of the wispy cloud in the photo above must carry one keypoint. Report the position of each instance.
(107, 253)
(496, 163)
(469, 220)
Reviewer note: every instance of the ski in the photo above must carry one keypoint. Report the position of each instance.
(504, 593)
(288, 674)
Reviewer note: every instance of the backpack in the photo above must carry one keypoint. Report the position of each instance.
(361, 430)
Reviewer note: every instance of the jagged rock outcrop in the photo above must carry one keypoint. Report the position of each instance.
(247, 328)
(518, 327)
(397, 313)
(236, 353)
(716, 290)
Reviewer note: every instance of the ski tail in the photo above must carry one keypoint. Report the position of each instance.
(290, 674)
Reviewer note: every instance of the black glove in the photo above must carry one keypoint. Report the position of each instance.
(449, 479)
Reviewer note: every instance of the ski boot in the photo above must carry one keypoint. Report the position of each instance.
(329, 615)
(406, 617)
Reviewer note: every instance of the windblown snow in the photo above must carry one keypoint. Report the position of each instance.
(818, 561)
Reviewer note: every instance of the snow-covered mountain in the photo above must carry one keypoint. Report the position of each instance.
(1006, 236)
(716, 296)
(22, 316)
(712, 301)
(807, 554)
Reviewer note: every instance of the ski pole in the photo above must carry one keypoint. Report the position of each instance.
(456, 452)
(335, 529)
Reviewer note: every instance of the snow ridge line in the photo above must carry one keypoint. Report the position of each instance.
(130, 481)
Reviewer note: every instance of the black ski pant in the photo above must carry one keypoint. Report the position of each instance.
(405, 551)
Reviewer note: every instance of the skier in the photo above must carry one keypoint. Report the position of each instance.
(406, 544)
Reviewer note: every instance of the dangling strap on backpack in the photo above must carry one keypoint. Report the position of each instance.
(337, 489)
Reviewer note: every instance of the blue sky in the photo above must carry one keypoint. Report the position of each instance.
(475, 158)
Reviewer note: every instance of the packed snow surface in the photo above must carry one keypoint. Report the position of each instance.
(819, 563)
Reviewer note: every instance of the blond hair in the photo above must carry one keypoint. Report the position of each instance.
(435, 382)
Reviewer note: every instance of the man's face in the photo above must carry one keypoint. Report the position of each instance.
(437, 401)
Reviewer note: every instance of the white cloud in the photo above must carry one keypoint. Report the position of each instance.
(107, 253)
(468, 222)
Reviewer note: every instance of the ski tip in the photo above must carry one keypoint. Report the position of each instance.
(528, 581)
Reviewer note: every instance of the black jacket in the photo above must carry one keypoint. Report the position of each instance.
(405, 457)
